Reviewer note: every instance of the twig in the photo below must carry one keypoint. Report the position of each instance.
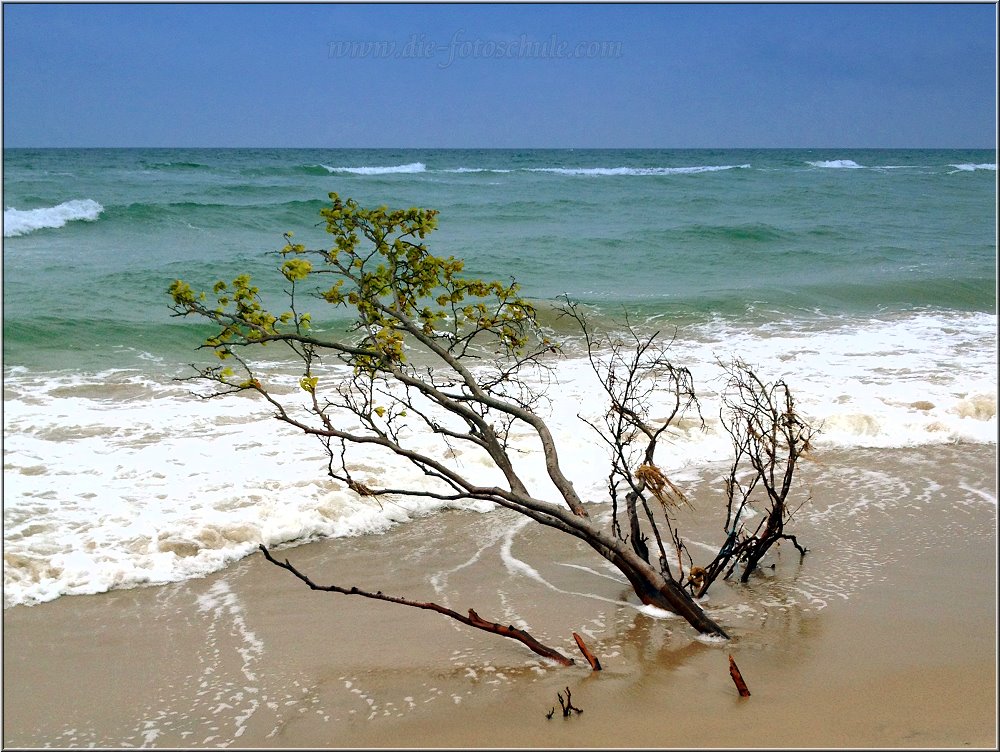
(567, 704)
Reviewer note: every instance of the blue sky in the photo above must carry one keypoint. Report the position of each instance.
(457, 75)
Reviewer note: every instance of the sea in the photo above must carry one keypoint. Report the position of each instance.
(865, 279)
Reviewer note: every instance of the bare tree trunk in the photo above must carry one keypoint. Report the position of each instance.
(655, 590)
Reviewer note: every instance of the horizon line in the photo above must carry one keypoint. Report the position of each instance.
(527, 148)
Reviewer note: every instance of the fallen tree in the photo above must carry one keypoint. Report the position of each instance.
(433, 353)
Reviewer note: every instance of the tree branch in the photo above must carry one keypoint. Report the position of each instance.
(472, 620)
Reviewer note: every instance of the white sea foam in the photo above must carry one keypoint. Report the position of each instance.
(118, 479)
(656, 612)
(102, 494)
(637, 170)
(917, 379)
(22, 221)
(848, 164)
(388, 170)
(967, 167)
(475, 169)
(417, 167)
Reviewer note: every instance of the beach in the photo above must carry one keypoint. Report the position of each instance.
(883, 635)
(138, 610)
(630, 263)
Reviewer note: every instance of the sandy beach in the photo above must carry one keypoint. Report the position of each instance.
(320, 276)
(883, 636)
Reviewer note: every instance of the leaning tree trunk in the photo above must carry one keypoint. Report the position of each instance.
(400, 295)
(654, 589)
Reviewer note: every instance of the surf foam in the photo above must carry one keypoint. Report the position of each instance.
(119, 479)
(968, 167)
(837, 164)
(387, 170)
(637, 170)
(23, 221)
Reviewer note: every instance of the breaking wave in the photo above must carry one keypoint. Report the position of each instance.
(389, 170)
(637, 170)
(22, 221)
(842, 164)
(967, 167)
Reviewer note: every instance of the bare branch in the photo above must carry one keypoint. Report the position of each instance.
(769, 437)
(473, 619)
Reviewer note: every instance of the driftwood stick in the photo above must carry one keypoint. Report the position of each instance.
(567, 704)
(595, 664)
(734, 671)
(472, 620)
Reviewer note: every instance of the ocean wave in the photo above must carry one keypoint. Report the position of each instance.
(638, 171)
(922, 378)
(749, 232)
(112, 479)
(141, 209)
(412, 167)
(419, 167)
(837, 164)
(318, 169)
(476, 169)
(968, 167)
(146, 506)
(23, 221)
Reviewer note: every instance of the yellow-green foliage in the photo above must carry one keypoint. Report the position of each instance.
(297, 269)
(381, 268)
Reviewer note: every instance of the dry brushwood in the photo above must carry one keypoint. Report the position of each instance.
(567, 704)
(769, 437)
(661, 486)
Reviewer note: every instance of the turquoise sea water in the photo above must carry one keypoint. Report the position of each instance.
(688, 233)
(867, 278)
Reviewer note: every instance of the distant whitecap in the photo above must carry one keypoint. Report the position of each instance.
(967, 167)
(637, 170)
(379, 170)
(848, 164)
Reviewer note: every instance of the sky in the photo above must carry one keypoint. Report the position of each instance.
(486, 75)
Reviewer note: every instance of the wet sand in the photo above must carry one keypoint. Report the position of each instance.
(884, 635)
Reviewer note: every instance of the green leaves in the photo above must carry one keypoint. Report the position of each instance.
(296, 269)
(181, 293)
(335, 295)
(379, 266)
